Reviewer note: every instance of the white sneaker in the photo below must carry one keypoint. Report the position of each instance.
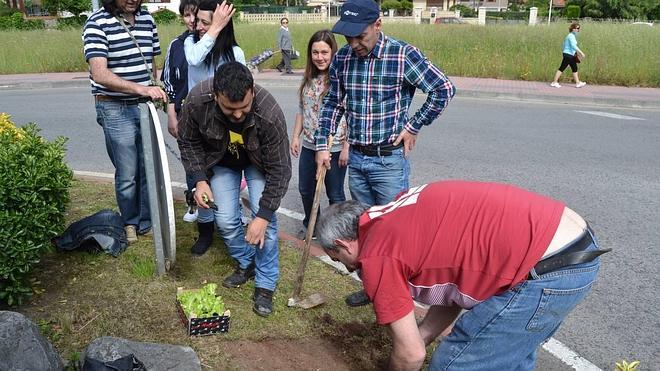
(190, 216)
(555, 85)
(131, 233)
(580, 84)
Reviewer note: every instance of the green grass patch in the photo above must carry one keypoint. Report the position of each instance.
(80, 296)
(617, 54)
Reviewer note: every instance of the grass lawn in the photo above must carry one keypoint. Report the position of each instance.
(80, 296)
(617, 54)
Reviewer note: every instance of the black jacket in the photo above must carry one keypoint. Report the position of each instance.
(203, 140)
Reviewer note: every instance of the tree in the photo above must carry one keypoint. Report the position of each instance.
(75, 7)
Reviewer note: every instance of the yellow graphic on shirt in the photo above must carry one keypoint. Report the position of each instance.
(235, 140)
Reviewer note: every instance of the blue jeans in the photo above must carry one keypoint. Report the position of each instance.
(334, 181)
(121, 127)
(225, 185)
(376, 180)
(504, 332)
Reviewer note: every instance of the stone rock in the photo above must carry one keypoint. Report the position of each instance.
(23, 347)
(154, 356)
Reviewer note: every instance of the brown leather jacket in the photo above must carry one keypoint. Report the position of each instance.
(203, 140)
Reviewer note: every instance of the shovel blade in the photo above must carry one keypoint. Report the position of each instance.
(311, 301)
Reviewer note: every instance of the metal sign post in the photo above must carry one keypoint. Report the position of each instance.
(161, 202)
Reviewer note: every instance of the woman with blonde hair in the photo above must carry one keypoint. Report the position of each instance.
(320, 50)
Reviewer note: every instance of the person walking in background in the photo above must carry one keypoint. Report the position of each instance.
(212, 45)
(570, 58)
(232, 127)
(120, 42)
(320, 50)
(373, 81)
(175, 81)
(285, 44)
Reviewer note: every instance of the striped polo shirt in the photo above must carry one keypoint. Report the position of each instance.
(103, 36)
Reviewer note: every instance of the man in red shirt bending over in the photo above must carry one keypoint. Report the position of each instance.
(518, 262)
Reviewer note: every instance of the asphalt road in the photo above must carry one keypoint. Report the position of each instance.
(603, 162)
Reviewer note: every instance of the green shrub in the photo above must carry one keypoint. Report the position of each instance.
(164, 16)
(466, 11)
(390, 4)
(17, 22)
(572, 12)
(71, 22)
(34, 191)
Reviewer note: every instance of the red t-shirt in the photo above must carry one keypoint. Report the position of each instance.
(452, 242)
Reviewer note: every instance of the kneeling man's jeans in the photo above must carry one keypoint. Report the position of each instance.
(505, 331)
(123, 141)
(226, 187)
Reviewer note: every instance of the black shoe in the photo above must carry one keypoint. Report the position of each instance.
(279, 68)
(239, 277)
(357, 299)
(263, 302)
(204, 240)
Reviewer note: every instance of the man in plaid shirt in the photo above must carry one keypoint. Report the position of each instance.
(372, 81)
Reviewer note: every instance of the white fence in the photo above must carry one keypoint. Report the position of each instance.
(275, 17)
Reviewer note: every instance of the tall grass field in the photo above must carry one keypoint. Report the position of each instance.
(617, 54)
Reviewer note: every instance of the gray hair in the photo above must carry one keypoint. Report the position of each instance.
(339, 222)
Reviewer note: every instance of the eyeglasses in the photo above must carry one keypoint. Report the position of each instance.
(285, 22)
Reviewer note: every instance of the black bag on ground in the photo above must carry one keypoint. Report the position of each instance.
(126, 363)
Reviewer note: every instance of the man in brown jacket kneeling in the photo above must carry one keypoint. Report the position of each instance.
(231, 127)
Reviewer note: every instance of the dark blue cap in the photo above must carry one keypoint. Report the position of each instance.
(356, 15)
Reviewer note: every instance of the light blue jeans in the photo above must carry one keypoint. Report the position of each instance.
(376, 180)
(505, 331)
(123, 141)
(225, 185)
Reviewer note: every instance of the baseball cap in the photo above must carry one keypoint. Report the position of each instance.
(356, 15)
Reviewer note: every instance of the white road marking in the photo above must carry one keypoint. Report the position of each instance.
(569, 357)
(553, 346)
(611, 115)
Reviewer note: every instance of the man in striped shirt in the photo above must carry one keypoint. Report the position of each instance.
(372, 81)
(120, 74)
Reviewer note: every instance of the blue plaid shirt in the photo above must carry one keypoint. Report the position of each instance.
(377, 90)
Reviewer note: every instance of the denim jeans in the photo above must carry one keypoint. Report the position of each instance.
(225, 185)
(334, 181)
(376, 180)
(504, 332)
(103, 230)
(121, 127)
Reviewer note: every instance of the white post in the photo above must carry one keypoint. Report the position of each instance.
(95, 5)
(457, 13)
(550, 12)
(418, 15)
(482, 16)
(533, 13)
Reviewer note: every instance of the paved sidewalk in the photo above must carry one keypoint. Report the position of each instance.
(615, 96)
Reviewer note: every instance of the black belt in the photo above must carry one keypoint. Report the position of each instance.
(128, 101)
(375, 150)
(571, 255)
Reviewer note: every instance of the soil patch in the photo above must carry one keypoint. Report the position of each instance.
(281, 354)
